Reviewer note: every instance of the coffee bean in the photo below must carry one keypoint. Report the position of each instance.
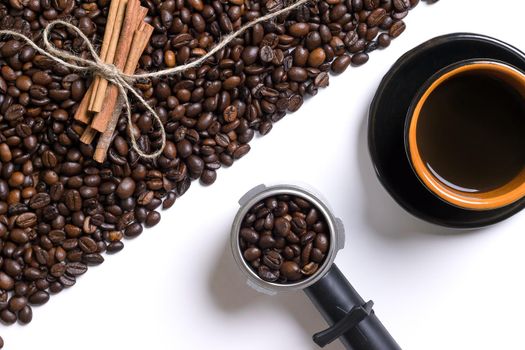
(89, 259)
(396, 29)
(298, 74)
(11, 47)
(126, 188)
(152, 219)
(241, 151)
(316, 255)
(266, 54)
(12, 268)
(14, 112)
(267, 241)
(316, 57)
(321, 242)
(6, 281)
(73, 200)
(371, 4)
(68, 281)
(39, 298)
(383, 40)
(359, 59)
(25, 315)
(291, 270)
(26, 220)
(249, 235)
(114, 247)
(401, 5)
(208, 176)
(7, 316)
(340, 64)
(231, 83)
(87, 244)
(251, 254)
(273, 260)
(310, 269)
(299, 29)
(267, 274)
(39, 201)
(17, 303)
(282, 226)
(133, 230)
(195, 165)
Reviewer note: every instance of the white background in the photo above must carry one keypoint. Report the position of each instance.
(176, 286)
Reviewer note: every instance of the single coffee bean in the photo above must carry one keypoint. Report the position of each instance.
(340, 64)
(282, 226)
(25, 315)
(6, 281)
(267, 274)
(133, 230)
(249, 235)
(152, 219)
(87, 245)
(17, 303)
(126, 188)
(291, 270)
(359, 59)
(267, 241)
(310, 268)
(321, 242)
(7, 316)
(383, 40)
(251, 254)
(396, 29)
(273, 260)
(90, 259)
(39, 298)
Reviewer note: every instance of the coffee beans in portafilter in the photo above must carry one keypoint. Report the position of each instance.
(60, 210)
(284, 238)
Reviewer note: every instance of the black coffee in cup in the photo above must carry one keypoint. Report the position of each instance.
(465, 134)
(471, 132)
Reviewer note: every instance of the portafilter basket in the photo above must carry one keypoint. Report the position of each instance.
(351, 319)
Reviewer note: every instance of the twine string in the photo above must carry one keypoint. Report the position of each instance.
(124, 82)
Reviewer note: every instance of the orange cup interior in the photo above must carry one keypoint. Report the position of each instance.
(493, 199)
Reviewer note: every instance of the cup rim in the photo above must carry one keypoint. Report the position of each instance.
(489, 200)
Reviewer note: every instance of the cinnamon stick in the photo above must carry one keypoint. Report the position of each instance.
(82, 111)
(88, 135)
(99, 92)
(140, 41)
(134, 15)
(125, 49)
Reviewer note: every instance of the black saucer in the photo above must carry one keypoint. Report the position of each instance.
(387, 120)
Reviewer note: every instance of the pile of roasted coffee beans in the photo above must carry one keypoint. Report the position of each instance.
(60, 210)
(284, 238)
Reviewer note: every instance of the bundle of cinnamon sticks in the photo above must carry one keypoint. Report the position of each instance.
(125, 38)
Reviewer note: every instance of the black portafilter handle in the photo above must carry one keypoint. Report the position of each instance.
(351, 319)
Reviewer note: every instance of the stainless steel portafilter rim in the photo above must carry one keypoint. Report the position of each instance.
(258, 193)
